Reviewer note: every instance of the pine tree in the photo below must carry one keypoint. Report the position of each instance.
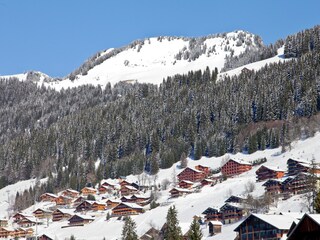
(183, 160)
(173, 230)
(129, 230)
(316, 204)
(194, 231)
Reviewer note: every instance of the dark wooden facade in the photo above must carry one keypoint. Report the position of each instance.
(80, 220)
(307, 228)
(177, 192)
(124, 209)
(235, 167)
(61, 214)
(260, 226)
(42, 213)
(63, 200)
(84, 206)
(212, 214)
(231, 212)
(264, 173)
(214, 227)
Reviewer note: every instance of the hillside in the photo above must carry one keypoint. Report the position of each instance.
(193, 204)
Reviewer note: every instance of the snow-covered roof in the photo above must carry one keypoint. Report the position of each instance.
(187, 181)
(49, 194)
(278, 221)
(315, 217)
(89, 188)
(276, 169)
(240, 161)
(71, 190)
(132, 205)
(216, 223)
(86, 217)
(140, 196)
(192, 169)
(43, 210)
(66, 211)
(181, 189)
(130, 187)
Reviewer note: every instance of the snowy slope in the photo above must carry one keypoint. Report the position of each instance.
(193, 204)
(256, 65)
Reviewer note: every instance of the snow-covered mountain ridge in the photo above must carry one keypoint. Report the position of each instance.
(153, 59)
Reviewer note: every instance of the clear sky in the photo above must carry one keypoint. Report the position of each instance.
(57, 36)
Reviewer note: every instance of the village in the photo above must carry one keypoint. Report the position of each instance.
(118, 198)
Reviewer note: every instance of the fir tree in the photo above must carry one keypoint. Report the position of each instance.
(194, 231)
(173, 230)
(316, 204)
(129, 230)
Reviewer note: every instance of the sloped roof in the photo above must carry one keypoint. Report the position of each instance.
(282, 222)
(240, 161)
(132, 205)
(85, 217)
(276, 169)
(181, 189)
(192, 169)
(66, 211)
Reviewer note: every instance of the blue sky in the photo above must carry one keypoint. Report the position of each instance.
(57, 36)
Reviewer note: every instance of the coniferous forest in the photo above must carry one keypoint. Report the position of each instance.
(81, 135)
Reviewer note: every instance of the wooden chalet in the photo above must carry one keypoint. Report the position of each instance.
(63, 200)
(110, 184)
(80, 220)
(6, 232)
(266, 172)
(62, 214)
(125, 183)
(105, 189)
(204, 169)
(46, 237)
(207, 181)
(177, 192)
(26, 222)
(151, 234)
(214, 227)
(48, 197)
(232, 212)
(79, 200)
(3, 222)
(191, 174)
(88, 190)
(42, 213)
(212, 214)
(235, 199)
(111, 203)
(23, 233)
(296, 166)
(18, 216)
(262, 226)
(124, 209)
(299, 184)
(84, 206)
(186, 184)
(235, 167)
(15, 233)
(128, 190)
(307, 228)
(70, 193)
(98, 206)
(276, 186)
(136, 198)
